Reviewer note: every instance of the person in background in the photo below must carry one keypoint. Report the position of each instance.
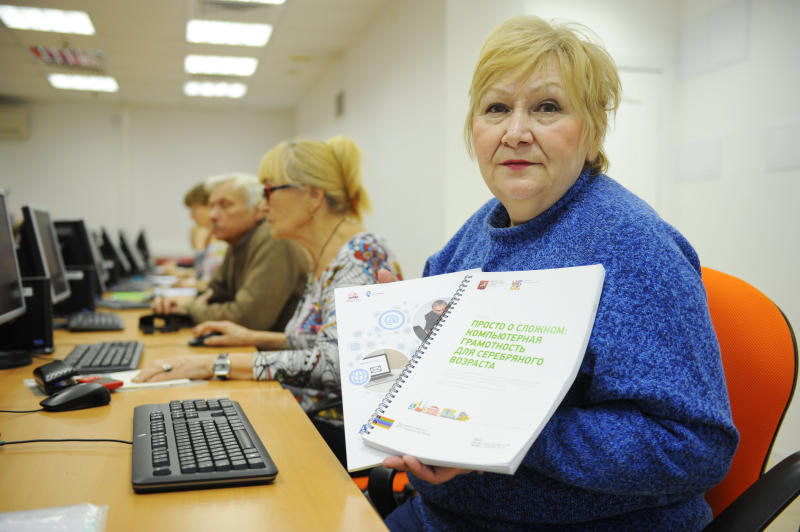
(196, 200)
(209, 251)
(646, 429)
(260, 279)
(315, 197)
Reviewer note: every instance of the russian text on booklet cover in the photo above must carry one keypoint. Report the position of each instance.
(485, 381)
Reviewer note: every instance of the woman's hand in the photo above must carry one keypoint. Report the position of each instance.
(430, 474)
(183, 367)
(230, 334)
(168, 305)
(385, 276)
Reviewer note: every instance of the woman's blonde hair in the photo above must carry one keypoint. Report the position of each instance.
(521, 45)
(333, 166)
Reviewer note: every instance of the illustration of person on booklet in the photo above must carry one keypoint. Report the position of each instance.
(431, 318)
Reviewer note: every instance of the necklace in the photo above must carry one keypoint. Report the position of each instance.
(322, 250)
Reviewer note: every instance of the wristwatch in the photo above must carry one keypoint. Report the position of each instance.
(222, 366)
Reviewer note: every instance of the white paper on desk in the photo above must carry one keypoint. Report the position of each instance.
(175, 291)
(78, 517)
(127, 379)
(124, 376)
(163, 280)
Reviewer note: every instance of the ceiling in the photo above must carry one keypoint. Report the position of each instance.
(144, 45)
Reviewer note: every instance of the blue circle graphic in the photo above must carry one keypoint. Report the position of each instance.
(359, 376)
(391, 320)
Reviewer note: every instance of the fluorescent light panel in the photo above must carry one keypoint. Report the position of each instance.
(83, 83)
(219, 65)
(231, 33)
(57, 20)
(211, 89)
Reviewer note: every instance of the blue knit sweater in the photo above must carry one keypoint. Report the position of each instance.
(646, 428)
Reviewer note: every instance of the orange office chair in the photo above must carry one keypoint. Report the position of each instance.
(759, 355)
(333, 434)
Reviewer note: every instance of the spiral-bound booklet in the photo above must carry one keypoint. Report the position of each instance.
(380, 327)
(492, 371)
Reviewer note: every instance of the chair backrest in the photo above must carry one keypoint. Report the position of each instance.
(759, 354)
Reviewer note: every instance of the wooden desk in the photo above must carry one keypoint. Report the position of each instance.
(312, 490)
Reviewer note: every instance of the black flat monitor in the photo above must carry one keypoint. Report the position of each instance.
(144, 249)
(79, 249)
(41, 252)
(131, 253)
(12, 302)
(111, 251)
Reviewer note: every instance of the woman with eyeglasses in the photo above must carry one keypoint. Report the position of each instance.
(314, 196)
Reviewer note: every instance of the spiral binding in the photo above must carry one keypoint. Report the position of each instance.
(392, 393)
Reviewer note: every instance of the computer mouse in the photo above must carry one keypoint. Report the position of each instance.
(201, 340)
(77, 396)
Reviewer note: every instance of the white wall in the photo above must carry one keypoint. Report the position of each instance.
(736, 92)
(129, 167)
(393, 82)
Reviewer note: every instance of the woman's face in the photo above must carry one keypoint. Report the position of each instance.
(200, 214)
(287, 211)
(527, 140)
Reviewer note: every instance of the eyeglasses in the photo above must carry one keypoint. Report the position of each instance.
(268, 190)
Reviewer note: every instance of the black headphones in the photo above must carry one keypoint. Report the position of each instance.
(164, 323)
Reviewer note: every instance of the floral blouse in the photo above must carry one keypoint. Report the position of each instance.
(310, 367)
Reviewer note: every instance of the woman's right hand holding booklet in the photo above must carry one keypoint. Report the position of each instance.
(430, 474)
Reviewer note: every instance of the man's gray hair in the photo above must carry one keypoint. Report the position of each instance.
(248, 184)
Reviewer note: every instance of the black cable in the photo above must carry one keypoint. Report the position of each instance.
(66, 440)
(21, 411)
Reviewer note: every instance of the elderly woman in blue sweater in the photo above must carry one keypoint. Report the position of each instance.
(646, 428)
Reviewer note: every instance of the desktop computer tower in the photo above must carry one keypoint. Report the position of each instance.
(83, 293)
(33, 331)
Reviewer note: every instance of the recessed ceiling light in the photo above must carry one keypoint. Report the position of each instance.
(34, 18)
(221, 66)
(83, 83)
(232, 33)
(211, 89)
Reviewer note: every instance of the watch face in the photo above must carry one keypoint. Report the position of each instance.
(222, 366)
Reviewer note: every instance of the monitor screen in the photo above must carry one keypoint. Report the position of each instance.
(111, 251)
(79, 249)
(102, 270)
(52, 264)
(131, 253)
(12, 302)
(144, 249)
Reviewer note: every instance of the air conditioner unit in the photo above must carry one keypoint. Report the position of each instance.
(13, 122)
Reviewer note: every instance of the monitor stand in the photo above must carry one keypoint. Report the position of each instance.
(15, 359)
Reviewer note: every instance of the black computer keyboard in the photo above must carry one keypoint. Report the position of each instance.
(95, 321)
(104, 357)
(196, 443)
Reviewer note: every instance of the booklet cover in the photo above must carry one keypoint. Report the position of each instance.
(484, 383)
(380, 327)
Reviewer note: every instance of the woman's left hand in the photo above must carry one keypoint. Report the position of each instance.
(182, 367)
(430, 474)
